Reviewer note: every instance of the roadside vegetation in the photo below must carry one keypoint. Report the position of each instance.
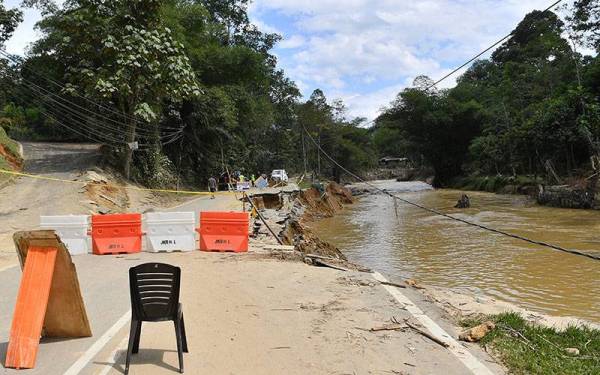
(526, 348)
(196, 84)
(193, 82)
(531, 109)
(497, 184)
(9, 149)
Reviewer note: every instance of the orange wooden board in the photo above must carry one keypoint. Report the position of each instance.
(31, 307)
(49, 287)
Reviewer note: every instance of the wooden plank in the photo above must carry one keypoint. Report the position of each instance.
(30, 309)
(279, 247)
(66, 315)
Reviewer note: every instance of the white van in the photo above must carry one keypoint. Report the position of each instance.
(279, 175)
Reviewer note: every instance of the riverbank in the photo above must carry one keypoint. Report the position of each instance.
(579, 193)
(525, 185)
(465, 308)
(528, 348)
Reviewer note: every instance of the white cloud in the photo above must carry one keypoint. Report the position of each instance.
(295, 41)
(366, 51)
(385, 44)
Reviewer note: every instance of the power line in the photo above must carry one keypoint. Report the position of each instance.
(483, 52)
(92, 134)
(62, 87)
(434, 211)
(74, 117)
(84, 130)
(60, 100)
(68, 107)
(141, 131)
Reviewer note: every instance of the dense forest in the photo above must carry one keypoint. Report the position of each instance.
(532, 108)
(178, 90)
(194, 83)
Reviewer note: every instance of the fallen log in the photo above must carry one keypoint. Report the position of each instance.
(386, 327)
(393, 284)
(319, 262)
(427, 334)
(320, 257)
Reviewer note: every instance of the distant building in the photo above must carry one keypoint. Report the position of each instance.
(392, 162)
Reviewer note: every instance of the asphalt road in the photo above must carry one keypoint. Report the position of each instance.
(104, 280)
(22, 202)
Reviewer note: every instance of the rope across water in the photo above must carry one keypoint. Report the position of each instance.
(434, 211)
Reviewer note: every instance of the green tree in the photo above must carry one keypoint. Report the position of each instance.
(119, 52)
(585, 19)
(9, 20)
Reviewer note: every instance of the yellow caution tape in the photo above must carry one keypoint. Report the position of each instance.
(38, 177)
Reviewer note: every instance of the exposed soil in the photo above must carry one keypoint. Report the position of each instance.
(288, 213)
(15, 163)
(113, 197)
(324, 204)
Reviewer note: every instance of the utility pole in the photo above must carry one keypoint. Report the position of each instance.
(319, 154)
(304, 154)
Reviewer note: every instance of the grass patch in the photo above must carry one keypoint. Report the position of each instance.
(527, 348)
(9, 145)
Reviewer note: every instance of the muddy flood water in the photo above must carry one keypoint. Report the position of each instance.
(440, 252)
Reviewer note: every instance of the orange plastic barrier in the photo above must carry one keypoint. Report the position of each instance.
(30, 310)
(224, 231)
(116, 234)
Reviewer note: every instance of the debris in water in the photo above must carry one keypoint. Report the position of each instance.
(463, 202)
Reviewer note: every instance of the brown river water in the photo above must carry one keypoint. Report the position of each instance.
(441, 252)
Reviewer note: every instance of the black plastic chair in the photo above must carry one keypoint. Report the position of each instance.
(154, 289)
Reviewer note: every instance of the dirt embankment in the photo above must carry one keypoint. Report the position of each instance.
(314, 204)
(14, 161)
(288, 213)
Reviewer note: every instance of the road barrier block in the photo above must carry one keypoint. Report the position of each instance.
(224, 231)
(72, 230)
(170, 231)
(116, 234)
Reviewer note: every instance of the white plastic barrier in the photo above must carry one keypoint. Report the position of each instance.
(243, 186)
(170, 231)
(72, 230)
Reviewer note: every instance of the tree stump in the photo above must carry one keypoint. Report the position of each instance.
(463, 202)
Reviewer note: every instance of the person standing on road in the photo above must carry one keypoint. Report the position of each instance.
(212, 186)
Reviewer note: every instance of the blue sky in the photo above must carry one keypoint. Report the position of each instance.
(366, 51)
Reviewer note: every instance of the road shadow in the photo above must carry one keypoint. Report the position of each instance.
(59, 158)
(145, 356)
(43, 341)
(3, 349)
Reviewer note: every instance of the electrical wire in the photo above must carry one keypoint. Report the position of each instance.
(63, 87)
(80, 115)
(92, 133)
(482, 53)
(59, 101)
(144, 133)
